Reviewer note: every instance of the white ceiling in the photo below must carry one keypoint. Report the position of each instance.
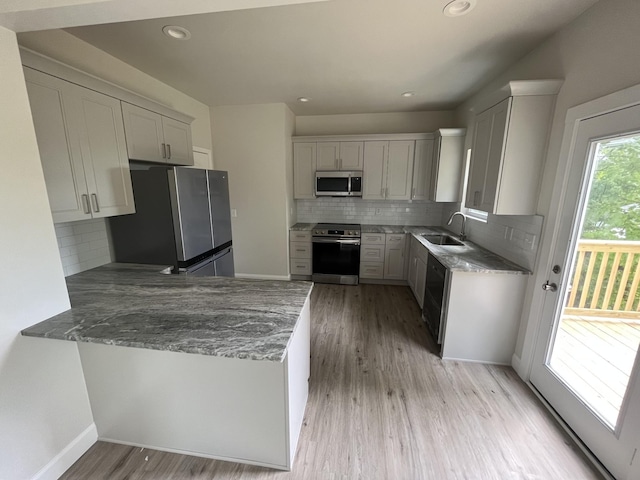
(349, 56)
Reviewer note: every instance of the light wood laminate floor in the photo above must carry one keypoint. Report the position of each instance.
(382, 405)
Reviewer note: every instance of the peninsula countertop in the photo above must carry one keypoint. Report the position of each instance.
(137, 306)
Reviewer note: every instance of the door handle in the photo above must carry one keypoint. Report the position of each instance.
(85, 203)
(164, 150)
(94, 200)
(549, 287)
(168, 150)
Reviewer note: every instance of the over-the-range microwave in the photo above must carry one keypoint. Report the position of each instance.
(339, 184)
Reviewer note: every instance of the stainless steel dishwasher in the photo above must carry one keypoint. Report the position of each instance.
(433, 308)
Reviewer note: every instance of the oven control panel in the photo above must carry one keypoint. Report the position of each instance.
(336, 230)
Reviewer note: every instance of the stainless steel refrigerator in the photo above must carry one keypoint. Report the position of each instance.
(182, 219)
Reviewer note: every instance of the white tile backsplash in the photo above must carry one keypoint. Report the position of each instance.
(83, 245)
(369, 212)
(514, 237)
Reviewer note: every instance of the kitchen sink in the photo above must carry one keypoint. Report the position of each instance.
(442, 239)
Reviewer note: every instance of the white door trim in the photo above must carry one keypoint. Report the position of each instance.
(615, 101)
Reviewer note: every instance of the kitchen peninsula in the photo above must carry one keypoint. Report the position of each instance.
(206, 366)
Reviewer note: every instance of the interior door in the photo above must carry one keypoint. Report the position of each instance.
(586, 362)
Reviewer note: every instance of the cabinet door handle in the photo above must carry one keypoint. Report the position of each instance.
(164, 150)
(413, 192)
(85, 203)
(168, 150)
(94, 201)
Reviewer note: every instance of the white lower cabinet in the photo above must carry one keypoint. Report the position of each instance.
(482, 316)
(394, 256)
(372, 255)
(82, 145)
(382, 256)
(300, 252)
(417, 275)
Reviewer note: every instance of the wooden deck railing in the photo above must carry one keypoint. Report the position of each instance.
(606, 279)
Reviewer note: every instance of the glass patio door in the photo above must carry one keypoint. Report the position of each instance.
(586, 362)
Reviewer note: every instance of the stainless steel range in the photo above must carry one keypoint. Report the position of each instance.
(336, 253)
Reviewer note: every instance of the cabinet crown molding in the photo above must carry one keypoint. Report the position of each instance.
(451, 132)
(518, 88)
(363, 138)
(50, 66)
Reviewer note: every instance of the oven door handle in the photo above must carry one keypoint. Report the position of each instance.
(336, 240)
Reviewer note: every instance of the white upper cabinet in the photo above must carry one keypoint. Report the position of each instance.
(447, 165)
(82, 146)
(177, 137)
(400, 170)
(340, 155)
(388, 170)
(152, 137)
(144, 134)
(509, 144)
(304, 168)
(422, 163)
(374, 181)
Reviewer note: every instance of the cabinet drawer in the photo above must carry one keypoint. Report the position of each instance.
(300, 250)
(299, 236)
(371, 270)
(372, 239)
(300, 266)
(372, 253)
(395, 238)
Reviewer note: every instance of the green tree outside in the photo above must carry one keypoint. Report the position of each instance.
(613, 209)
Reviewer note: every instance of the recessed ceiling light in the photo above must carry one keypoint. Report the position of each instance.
(304, 99)
(459, 7)
(409, 94)
(178, 33)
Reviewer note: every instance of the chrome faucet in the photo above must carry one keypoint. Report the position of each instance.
(462, 236)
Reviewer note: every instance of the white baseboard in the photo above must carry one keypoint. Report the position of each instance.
(69, 455)
(516, 363)
(195, 454)
(467, 360)
(254, 276)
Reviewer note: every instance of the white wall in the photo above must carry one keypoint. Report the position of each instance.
(43, 398)
(252, 143)
(597, 54)
(66, 48)
(356, 124)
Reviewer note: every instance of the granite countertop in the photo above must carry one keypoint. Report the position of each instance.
(303, 227)
(382, 228)
(466, 258)
(136, 306)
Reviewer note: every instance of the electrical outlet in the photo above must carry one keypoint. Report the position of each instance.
(530, 240)
(378, 211)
